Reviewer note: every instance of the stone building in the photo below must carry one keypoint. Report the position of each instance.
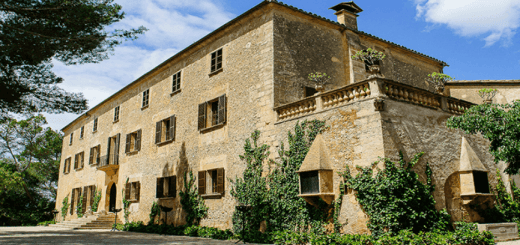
(195, 110)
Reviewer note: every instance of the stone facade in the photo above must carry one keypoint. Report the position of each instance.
(267, 54)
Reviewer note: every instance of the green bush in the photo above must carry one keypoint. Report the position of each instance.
(46, 223)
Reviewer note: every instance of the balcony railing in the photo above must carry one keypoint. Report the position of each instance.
(371, 88)
(109, 164)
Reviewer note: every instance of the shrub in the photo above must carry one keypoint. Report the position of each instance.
(46, 223)
(192, 203)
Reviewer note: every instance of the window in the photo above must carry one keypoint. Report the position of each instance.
(66, 166)
(112, 156)
(309, 182)
(211, 182)
(132, 191)
(165, 130)
(116, 114)
(94, 128)
(480, 179)
(176, 84)
(146, 98)
(216, 61)
(94, 155)
(75, 196)
(166, 187)
(71, 137)
(78, 160)
(309, 91)
(133, 141)
(212, 113)
(82, 132)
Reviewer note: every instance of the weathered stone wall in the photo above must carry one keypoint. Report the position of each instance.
(507, 90)
(303, 46)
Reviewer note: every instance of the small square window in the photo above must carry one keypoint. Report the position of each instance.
(211, 182)
(166, 187)
(165, 130)
(94, 128)
(116, 114)
(79, 160)
(82, 132)
(309, 91)
(133, 141)
(310, 182)
(480, 179)
(146, 98)
(216, 61)
(212, 113)
(176, 84)
(132, 191)
(71, 137)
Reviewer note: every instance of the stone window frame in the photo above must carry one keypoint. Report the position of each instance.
(117, 111)
(95, 153)
(206, 119)
(132, 191)
(78, 165)
(66, 165)
(481, 177)
(95, 126)
(166, 184)
(133, 142)
(216, 61)
(176, 83)
(82, 132)
(71, 138)
(212, 183)
(146, 99)
(168, 135)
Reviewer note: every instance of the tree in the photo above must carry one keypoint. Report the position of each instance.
(33, 32)
(500, 124)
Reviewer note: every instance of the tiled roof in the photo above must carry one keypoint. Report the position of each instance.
(356, 31)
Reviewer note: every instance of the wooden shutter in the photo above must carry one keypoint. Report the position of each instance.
(137, 190)
(202, 115)
(72, 201)
(108, 150)
(68, 165)
(76, 161)
(172, 188)
(91, 158)
(159, 188)
(138, 140)
(98, 153)
(128, 139)
(158, 129)
(202, 182)
(221, 109)
(65, 166)
(92, 194)
(220, 180)
(85, 197)
(82, 155)
(172, 128)
(127, 190)
(116, 149)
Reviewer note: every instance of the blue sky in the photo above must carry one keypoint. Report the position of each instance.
(477, 38)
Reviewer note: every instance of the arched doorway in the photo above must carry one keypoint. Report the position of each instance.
(113, 194)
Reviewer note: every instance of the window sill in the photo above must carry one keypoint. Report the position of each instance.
(133, 200)
(164, 142)
(144, 107)
(213, 73)
(175, 92)
(161, 198)
(78, 169)
(132, 152)
(116, 121)
(204, 130)
(211, 196)
(95, 131)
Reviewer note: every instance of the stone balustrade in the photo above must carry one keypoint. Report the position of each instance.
(371, 88)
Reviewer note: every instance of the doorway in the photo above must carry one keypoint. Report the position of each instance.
(113, 194)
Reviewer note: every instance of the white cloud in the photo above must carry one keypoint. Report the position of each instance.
(173, 25)
(497, 20)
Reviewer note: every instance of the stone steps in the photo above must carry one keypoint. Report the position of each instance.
(96, 221)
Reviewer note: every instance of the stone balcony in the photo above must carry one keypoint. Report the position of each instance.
(109, 164)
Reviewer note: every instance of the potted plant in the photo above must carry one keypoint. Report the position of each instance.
(439, 81)
(372, 59)
(320, 79)
(487, 94)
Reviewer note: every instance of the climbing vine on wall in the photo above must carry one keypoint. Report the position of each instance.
(126, 203)
(394, 199)
(64, 207)
(79, 207)
(95, 202)
(507, 207)
(154, 212)
(192, 203)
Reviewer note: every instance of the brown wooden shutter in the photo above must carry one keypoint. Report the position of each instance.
(72, 201)
(159, 188)
(65, 166)
(98, 154)
(92, 194)
(91, 158)
(137, 190)
(76, 161)
(108, 150)
(158, 131)
(138, 140)
(221, 109)
(85, 197)
(202, 182)
(127, 190)
(82, 155)
(171, 135)
(220, 180)
(172, 186)
(128, 139)
(68, 165)
(116, 149)
(202, 115)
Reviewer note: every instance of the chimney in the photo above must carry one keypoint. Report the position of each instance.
(347, 13)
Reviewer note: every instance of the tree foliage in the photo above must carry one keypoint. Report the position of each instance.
(192, 203)
(500, 124)
(33, 32)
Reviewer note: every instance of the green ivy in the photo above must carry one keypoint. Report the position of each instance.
(394, 199)
(154, 212)
(79, 208)
(507, 207)
(95, 203)
(126, 203)
(65, 207)
(192, 203)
